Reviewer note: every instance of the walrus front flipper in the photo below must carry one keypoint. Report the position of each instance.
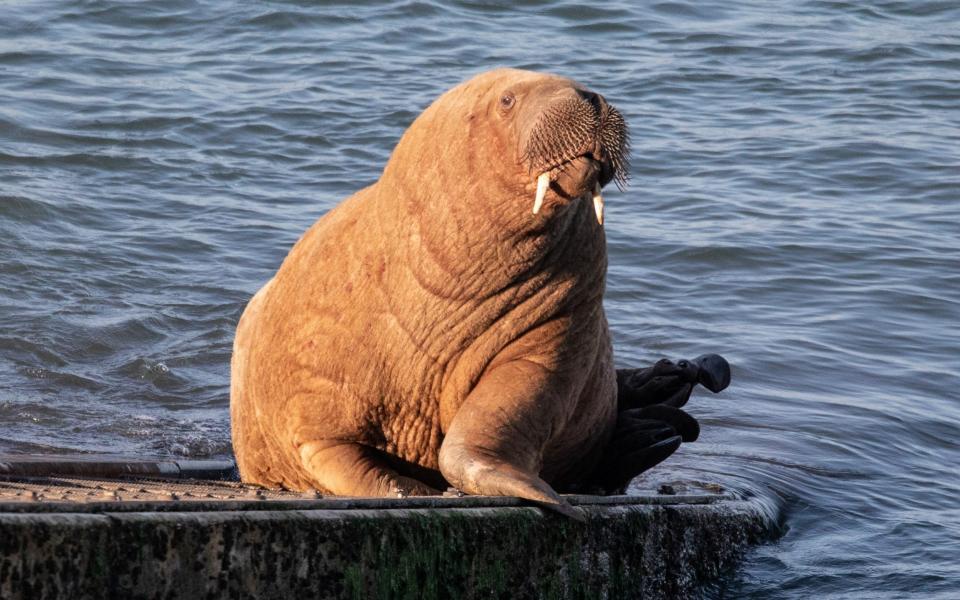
(351, 469)
(494, 444)
(487, 476)
(670, 383)
(643, 438)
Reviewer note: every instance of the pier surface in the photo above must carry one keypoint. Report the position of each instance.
(128, 530)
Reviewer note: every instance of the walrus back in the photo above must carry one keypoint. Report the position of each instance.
(249, 442)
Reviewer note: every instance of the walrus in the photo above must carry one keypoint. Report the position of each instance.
(445, 325)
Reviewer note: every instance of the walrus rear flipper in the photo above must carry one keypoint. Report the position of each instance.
(670, 383)
(643, 438)
(650, 425)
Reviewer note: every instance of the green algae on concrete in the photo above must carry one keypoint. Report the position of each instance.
(632, 550)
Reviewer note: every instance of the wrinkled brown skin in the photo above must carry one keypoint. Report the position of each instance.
(430, 329)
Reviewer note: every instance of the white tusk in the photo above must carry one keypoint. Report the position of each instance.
(543, 182)
(598, 202)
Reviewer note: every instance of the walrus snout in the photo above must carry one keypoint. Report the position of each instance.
(575, 123)
(578, 143)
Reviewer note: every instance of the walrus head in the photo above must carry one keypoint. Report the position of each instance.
(574, 139)
(508, 134)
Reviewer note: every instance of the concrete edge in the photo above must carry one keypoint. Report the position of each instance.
(621, 551)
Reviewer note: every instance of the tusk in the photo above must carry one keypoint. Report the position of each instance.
(598, 202)
(543, 182)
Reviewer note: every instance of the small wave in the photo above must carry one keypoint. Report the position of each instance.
(22, 350)
(64, 379)
(99, 162)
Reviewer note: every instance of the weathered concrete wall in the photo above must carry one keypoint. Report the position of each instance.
(623, 551)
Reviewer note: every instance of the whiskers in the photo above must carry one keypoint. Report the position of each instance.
(575, 127)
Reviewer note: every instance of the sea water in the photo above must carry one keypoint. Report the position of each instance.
(794, 205)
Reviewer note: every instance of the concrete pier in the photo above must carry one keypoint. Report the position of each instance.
(236, 541)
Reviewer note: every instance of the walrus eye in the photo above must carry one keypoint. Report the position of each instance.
(507, 101)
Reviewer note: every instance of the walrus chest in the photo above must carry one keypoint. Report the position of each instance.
(425, 381)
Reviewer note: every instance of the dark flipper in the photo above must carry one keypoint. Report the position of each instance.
(643, 438)
(670, 383)
(678, 420)
(650, 425)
